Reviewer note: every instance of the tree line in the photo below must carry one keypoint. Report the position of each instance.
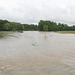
(14, 26)
(43, 25)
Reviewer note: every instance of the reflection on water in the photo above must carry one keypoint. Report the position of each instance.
(7, 35)
(34, 53)
(1, 36)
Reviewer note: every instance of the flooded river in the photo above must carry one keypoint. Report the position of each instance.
(37, 53)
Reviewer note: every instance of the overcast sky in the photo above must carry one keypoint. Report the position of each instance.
(31, 11)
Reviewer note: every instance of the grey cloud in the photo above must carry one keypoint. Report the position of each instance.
(31, 11)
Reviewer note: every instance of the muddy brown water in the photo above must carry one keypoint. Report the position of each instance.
(37, 53)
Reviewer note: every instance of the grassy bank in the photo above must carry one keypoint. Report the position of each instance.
(66, 31)
(7, 31)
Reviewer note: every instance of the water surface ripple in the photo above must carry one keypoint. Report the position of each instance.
(37, 53)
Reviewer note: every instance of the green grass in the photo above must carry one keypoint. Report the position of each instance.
(7, 31)
(66, 31)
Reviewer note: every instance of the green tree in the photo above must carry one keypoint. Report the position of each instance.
(7, 27)
(2, 23)
(45, 27)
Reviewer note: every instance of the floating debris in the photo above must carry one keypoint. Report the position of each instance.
(34, 44)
